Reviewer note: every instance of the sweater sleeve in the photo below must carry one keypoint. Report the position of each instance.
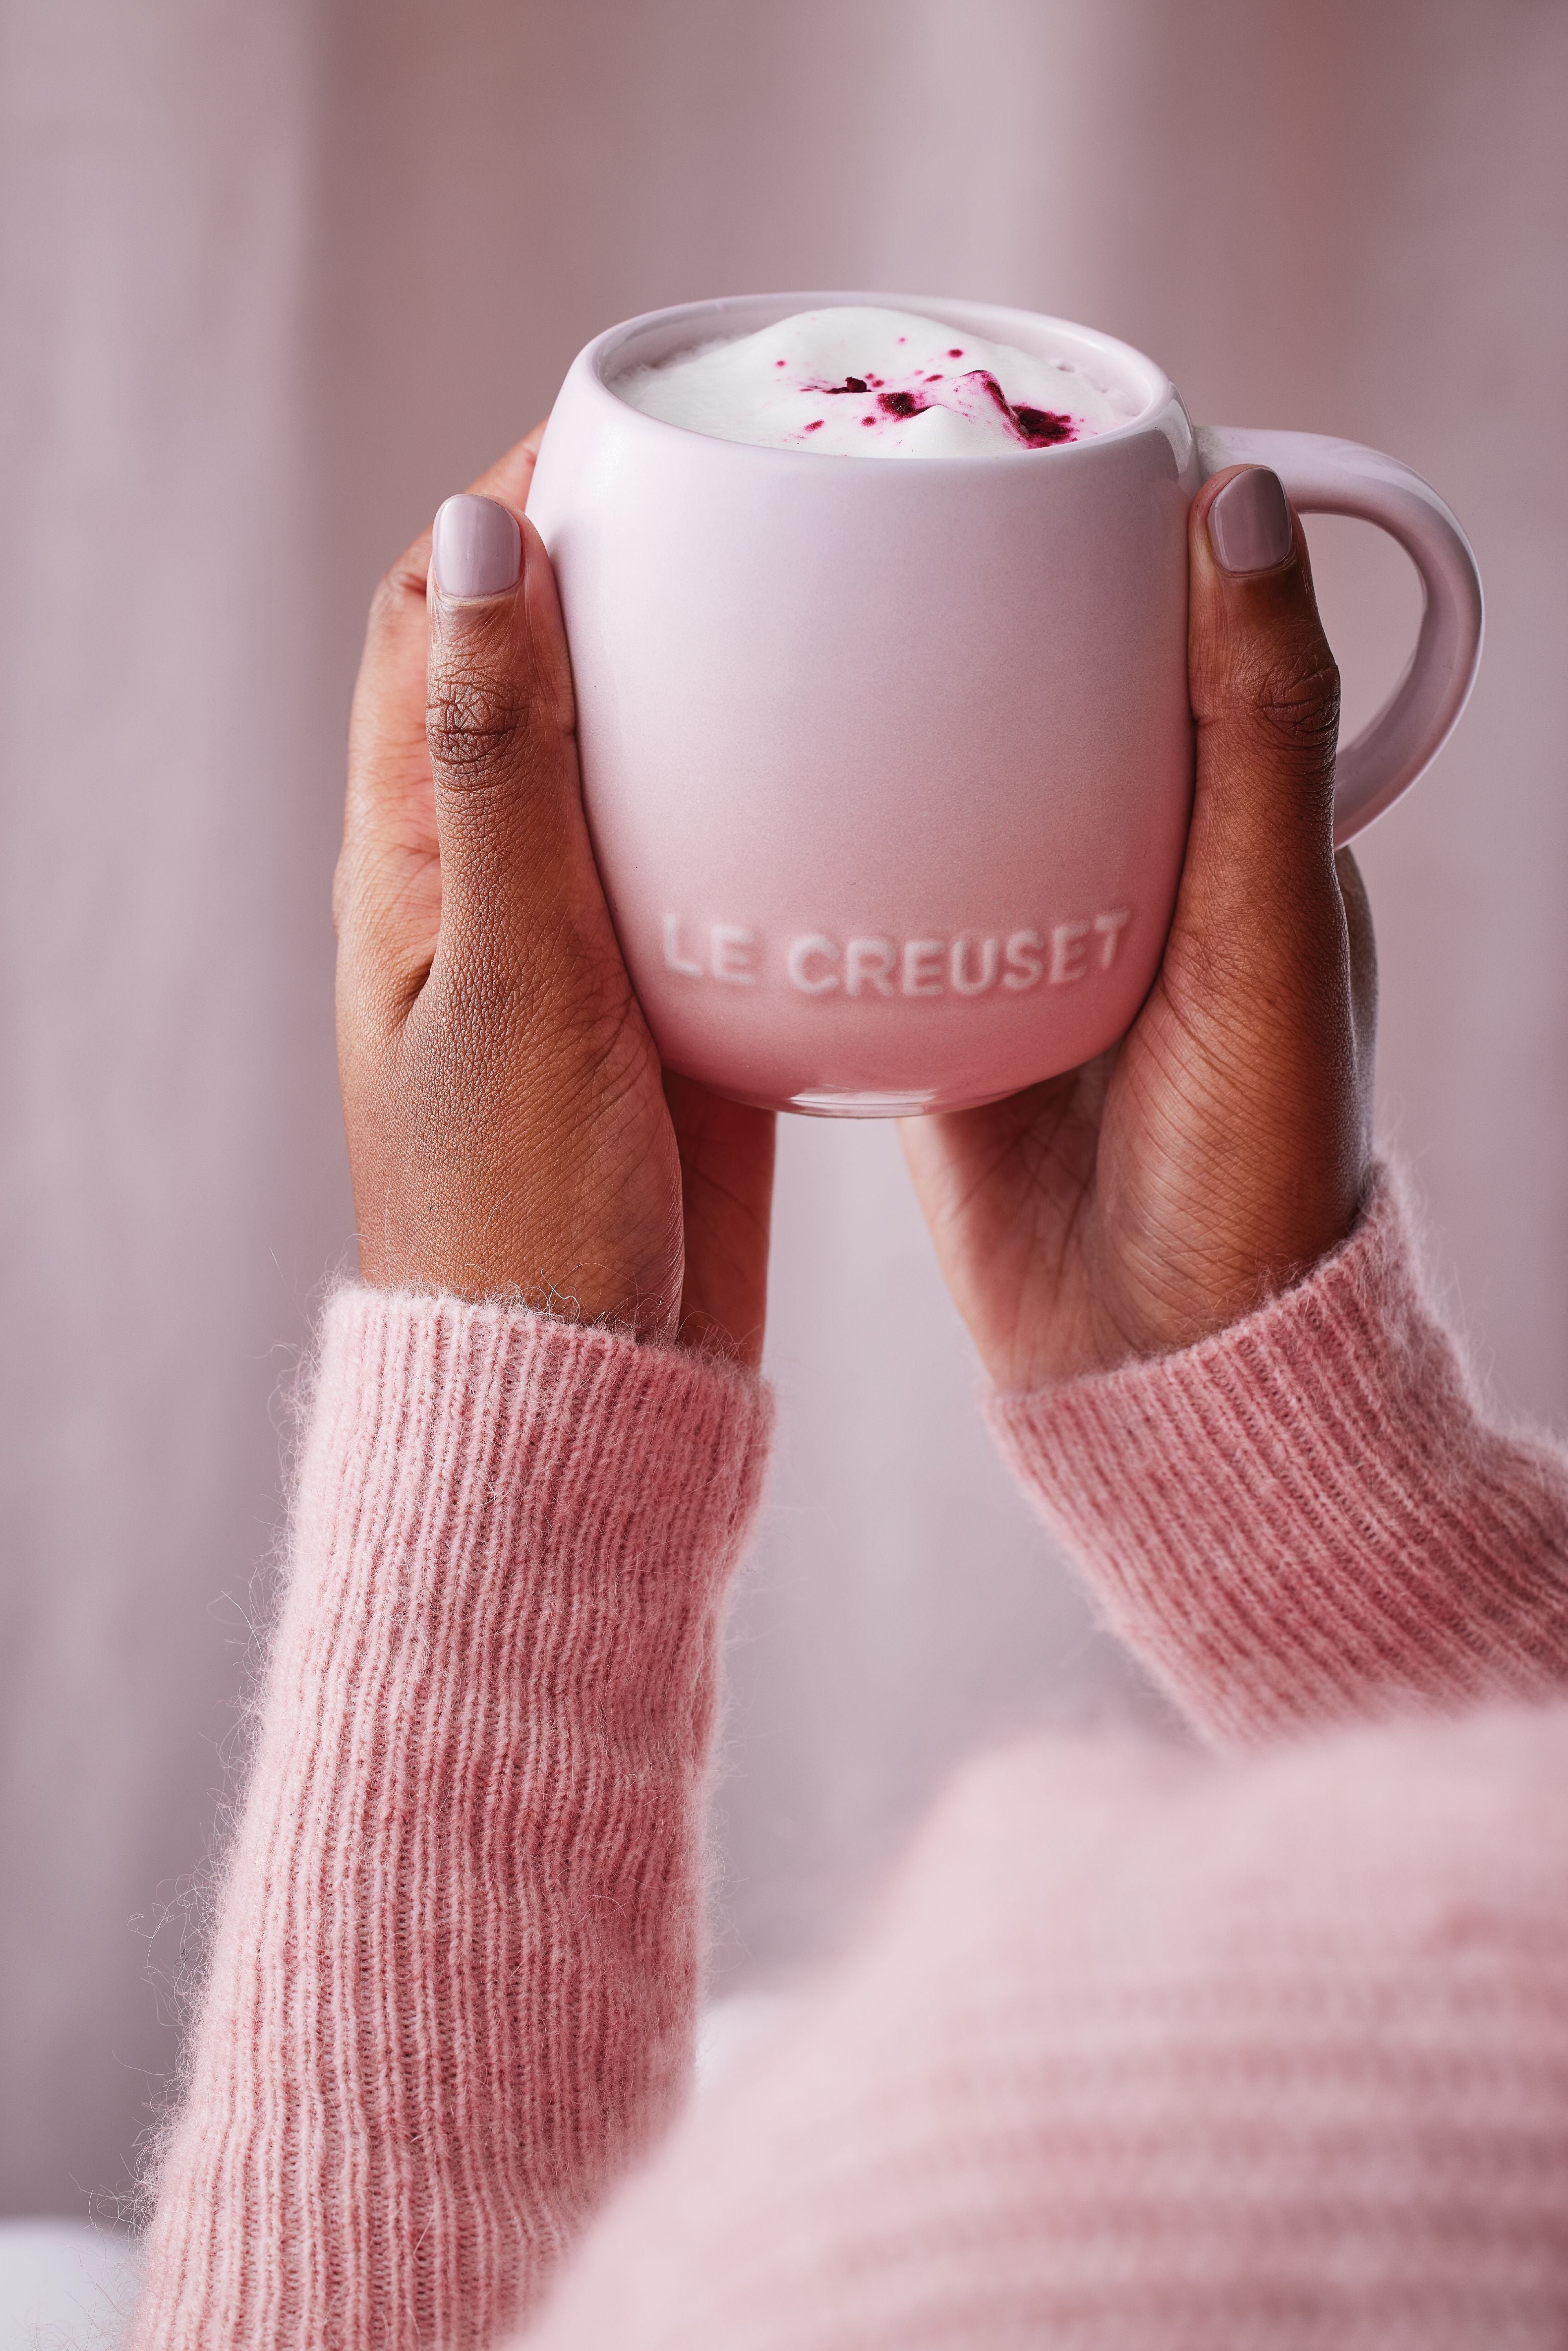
(1308, 1518)
(455, 1951)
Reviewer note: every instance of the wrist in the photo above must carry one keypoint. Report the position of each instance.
(1155, 1297)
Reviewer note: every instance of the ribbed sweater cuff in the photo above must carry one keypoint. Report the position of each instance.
(1306, 1517)
(476, 1428)
(509, 1479)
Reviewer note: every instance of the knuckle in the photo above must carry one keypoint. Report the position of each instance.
(1294, 700)
(393, 593)
(386, 599)
(474, 723)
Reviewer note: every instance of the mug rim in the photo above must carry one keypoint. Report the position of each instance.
(595, 359)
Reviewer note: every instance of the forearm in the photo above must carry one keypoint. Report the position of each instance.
(1308, 1518)
(455, 1967)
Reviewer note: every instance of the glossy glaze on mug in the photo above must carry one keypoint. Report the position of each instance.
(888, 765)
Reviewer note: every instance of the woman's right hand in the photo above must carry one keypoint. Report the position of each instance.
(1135, 1206)
(510, 1132)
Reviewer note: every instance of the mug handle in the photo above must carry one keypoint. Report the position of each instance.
(1326, 476)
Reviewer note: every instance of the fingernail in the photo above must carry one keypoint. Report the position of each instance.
(1248, 523)
(477, 548)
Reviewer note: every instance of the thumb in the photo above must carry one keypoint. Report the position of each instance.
(1265, 695)
(515, 867)
(1266, 690)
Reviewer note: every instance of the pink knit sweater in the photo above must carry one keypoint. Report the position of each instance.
(1265, 2047)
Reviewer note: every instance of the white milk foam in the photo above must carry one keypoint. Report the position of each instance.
(876, 384)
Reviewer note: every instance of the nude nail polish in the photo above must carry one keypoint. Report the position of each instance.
(1250, 522)
(476, 547)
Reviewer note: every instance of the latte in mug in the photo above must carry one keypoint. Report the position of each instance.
(861, 382)
(888, 767)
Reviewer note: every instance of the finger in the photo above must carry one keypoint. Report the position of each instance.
(726, 1185)
(1363, 976)
(520, 895)
(386, 893)
(1258, 967)
(389, 873)
(390, 708)
(1258, 883)
(1265, 690)
(511, 476)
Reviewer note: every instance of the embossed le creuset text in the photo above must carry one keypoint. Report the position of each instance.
(888, 765)
(739, 955)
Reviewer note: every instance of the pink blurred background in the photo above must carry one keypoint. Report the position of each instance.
(277, 279)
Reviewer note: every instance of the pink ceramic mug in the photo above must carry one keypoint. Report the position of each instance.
(888, 764)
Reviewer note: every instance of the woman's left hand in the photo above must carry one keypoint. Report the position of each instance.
(510, 1132)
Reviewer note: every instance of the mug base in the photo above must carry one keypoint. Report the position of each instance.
(862, 1105)
(831, 1102)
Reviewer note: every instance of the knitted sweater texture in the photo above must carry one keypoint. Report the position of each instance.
(1261, 2045)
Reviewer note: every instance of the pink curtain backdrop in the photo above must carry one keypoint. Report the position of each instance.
(278, 278)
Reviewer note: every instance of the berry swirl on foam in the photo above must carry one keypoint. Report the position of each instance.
(875, 383)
